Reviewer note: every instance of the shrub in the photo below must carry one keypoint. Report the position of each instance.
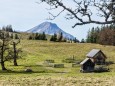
(101, 69)
(28, 70)
(48, 63)
(49, 60)
(109, 62)
(58, 65)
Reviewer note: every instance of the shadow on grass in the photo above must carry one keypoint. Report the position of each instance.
(8, 72)
(33, 66)
(27, 65)
(109, 62)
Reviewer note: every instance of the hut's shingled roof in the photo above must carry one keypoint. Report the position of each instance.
(85, 60)
(93, 52)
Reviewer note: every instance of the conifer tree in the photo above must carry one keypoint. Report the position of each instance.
(54, 37)
(82, 41)
(60, 37)
(44, 36)
(36, 36)
(30, 37)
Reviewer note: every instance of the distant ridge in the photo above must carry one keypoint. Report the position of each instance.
(49, 28)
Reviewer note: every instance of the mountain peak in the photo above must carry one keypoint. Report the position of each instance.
(49, 28)
(49, 23)
(46, 23)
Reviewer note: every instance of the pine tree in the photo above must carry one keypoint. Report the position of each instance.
(44, 36)
(4, 28)
(40, 36)
(55, 37)
(60, 37)
(52, 38)
(75, 40)
(88, 40)
(30, 37)
(82, 41)
(36, 36)
(9, 28)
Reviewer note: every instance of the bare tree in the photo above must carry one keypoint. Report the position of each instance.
(85, 9)
(15, 53)
(5, 54)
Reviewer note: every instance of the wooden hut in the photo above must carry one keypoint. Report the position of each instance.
(94, 57)
(97, 56)
(87, 65)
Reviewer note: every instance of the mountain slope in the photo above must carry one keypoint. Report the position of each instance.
(49, 28)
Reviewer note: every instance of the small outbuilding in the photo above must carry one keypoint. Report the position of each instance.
(87, 65)
(94, 57)
(97, 56)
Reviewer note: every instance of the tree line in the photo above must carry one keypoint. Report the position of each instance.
(10, 33)
(54, 38)
(7, 28)
(60, 38)
(36, 36)
(104, 35)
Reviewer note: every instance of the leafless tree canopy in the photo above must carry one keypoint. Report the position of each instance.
(87, 9)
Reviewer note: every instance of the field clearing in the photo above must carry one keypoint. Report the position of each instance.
(35, 52)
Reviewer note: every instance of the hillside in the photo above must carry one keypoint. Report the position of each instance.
(34, 54)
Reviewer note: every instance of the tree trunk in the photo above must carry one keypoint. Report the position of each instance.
(2, 65)
(15, 62)
(2, 56)
(15, 56)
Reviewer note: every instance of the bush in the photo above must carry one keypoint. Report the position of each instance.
(58, 65)
(101, 69)
(48, 63)
(28, 70)
(109, 62)
(49, 60)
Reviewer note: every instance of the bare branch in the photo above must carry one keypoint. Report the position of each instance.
(104, 9)
(96, 22)
(56, 15)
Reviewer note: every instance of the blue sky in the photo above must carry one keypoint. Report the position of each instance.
(25, 14)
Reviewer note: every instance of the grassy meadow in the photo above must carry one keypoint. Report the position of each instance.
(34, 54)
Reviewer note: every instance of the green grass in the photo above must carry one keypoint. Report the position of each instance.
(35, 52)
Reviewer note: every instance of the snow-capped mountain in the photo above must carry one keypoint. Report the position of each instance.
(49, 28)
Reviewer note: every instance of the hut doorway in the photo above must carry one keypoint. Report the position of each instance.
(87, 65)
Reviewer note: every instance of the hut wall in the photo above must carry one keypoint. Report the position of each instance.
(88, 66)
(99, 58)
